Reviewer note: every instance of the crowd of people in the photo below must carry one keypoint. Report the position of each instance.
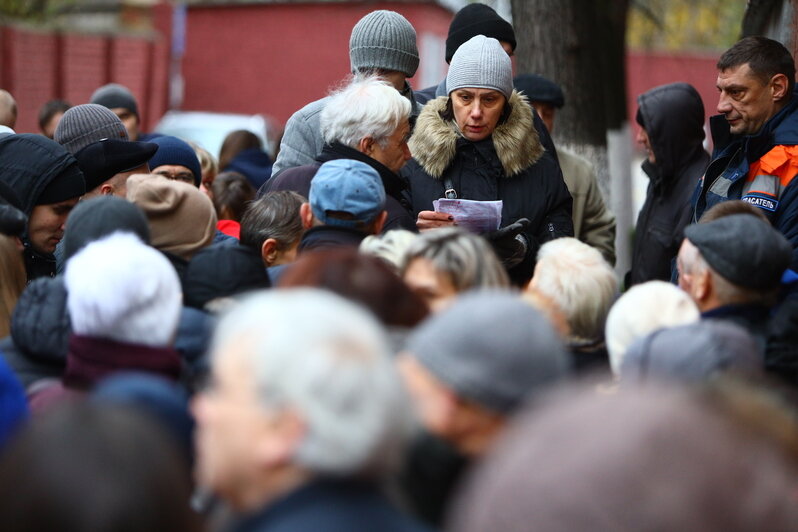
(316, 341)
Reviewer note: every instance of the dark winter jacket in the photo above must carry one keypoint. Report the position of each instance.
(328, 236)
(36, 350)
(298, 180)
(254, 164)
(511, 165)
(754, 318)
(28, 163)
(674, 120)
(330, 506)
(758, 170)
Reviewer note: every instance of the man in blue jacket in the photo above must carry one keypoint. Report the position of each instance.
(756, 135)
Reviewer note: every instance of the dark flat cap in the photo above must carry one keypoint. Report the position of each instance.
(102, 160)
(743, 249)
(539, 89)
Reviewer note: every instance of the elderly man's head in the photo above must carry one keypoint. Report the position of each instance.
(732, 260)
(580, 283)
(303, 386)
(371, 117)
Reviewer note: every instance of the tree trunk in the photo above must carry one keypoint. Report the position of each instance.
(580, 45)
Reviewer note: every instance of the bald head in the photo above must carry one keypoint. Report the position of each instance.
(8, 109)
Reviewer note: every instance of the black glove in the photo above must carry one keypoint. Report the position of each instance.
(12, 220)
(509, 243)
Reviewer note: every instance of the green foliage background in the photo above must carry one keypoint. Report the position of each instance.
(695, 25)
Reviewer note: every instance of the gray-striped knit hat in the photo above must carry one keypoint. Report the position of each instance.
(481, 63)
(86, 124)
(386, 40)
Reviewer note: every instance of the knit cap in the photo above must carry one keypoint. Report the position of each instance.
(115, 95)
(386, 40)
(492, 348)
(100, 216)
(86, 124)
(481, 63)
(182, 219)
(477, 19)
(174, 151)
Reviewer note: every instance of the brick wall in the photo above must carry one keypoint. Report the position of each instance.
(38, 66)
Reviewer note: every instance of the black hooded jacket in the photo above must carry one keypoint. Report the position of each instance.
(28, 163)
(673, 117)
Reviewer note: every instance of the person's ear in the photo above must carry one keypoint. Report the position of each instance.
(702, 285)
(268, 251)
(106, 189)
(779, 85)
(306, 213)
(379, 222)
(281, 435)
(366, 145)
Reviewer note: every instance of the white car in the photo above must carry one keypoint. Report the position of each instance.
(210, 129)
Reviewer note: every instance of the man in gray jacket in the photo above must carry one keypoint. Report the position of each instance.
(382, 43)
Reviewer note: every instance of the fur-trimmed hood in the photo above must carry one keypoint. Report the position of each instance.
(516, 141)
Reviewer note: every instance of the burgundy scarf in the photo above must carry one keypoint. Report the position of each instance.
(91, 359)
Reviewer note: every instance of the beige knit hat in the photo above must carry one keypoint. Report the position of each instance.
(182, 219)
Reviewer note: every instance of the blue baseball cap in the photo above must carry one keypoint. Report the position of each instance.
(346, 186)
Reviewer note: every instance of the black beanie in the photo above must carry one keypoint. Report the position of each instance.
(477, 19)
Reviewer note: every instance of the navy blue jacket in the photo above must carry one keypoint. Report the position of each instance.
(725, 179)
(330, 506)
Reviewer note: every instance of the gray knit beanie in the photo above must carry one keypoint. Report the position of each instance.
(86, 124)
(386, 40)
(115, 95)
(481, 63)
(492, 348)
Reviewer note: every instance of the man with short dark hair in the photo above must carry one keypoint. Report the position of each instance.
(756, 135)
(272, 226)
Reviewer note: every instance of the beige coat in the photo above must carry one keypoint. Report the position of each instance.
(594, 223)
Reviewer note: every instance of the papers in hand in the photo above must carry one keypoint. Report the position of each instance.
(474, 216)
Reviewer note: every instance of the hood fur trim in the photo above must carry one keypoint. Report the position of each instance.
(434, 141)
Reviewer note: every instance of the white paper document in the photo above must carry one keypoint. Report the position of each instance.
(474, 216)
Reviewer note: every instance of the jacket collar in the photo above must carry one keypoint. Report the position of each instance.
(394, 185)
(435, 141)
(90, 359)
(778, 130)
(330, 236)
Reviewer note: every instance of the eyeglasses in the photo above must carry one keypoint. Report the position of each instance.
(185, 177)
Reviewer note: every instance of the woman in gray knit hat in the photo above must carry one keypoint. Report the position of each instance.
(480, 143)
